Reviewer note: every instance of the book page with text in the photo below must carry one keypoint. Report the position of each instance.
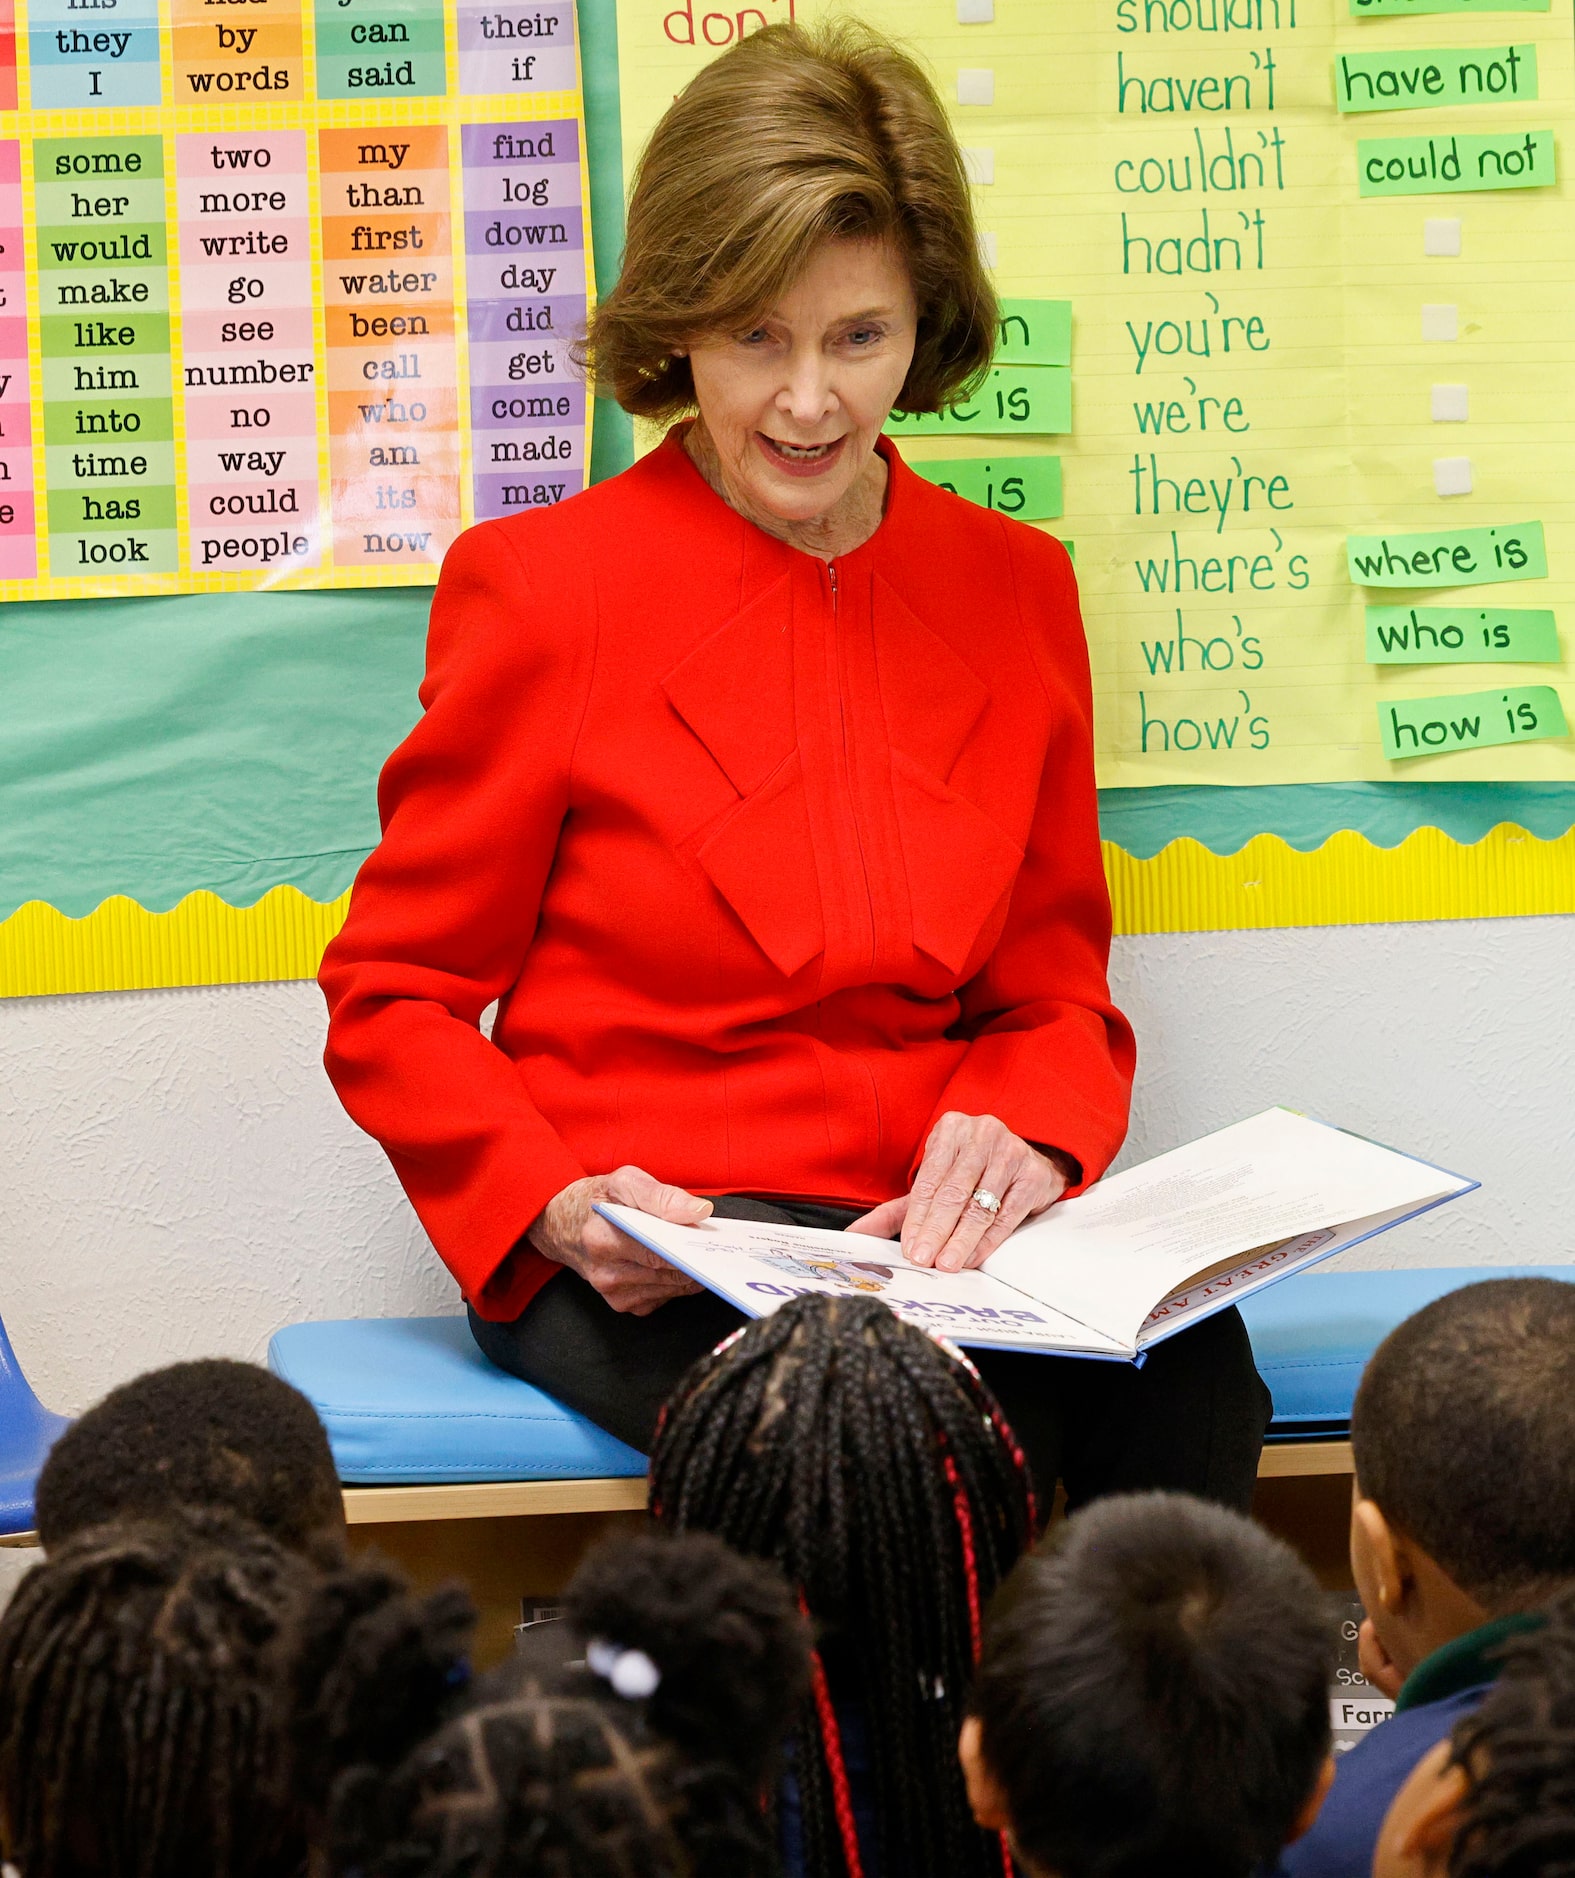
(1112, 1254)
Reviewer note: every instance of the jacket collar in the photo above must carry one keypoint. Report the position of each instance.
(1467, 1662)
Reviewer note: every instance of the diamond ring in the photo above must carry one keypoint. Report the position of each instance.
(984, 1198)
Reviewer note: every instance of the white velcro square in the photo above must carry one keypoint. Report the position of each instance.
(1452, 475)
(1441, 322)
(975, 12)
(979, 166)
(1441, 235)
(975, 85)
(1449, 404)
(987, 246)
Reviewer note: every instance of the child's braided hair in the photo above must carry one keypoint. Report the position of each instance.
(878, 1472)
(1518, 1749)
(411, 1771)
(140, 1735)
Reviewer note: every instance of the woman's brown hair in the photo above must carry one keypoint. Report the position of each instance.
(794, 137)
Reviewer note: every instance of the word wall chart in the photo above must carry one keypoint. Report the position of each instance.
(287, 290)
(1287, 355)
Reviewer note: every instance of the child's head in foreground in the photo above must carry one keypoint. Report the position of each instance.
(1153, 1700)
(141, 1734)
(874, 1467)
(1463, 1432)
(1497, 1799)
(646, 1759)
(210, 1434)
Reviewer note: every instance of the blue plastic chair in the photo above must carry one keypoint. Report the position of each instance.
(27, 1432)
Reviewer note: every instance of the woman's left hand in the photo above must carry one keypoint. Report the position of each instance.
(940, 1222)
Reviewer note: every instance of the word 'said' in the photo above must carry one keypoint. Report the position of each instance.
(308, 275)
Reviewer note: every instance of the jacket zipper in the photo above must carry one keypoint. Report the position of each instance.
(877, 1132)
(847, 759)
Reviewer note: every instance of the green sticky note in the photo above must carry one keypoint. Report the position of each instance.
(1451, 557)
(1447, 165)
(1461, 635)
(1398, 80)
(1028, 487)
(1023, 400)
(1035, 332)
(1391, 9)
(1470, 721)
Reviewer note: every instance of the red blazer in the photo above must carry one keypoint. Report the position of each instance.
(769, 862)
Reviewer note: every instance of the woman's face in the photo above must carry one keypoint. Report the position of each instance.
(794, 405)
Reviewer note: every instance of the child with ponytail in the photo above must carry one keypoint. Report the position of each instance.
(873, 1466)
(643, 1754)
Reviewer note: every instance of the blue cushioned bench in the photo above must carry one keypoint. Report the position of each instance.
(1312, 1335)
(411, 1403)
(423, 1427)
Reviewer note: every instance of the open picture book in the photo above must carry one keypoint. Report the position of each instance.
(1136, 1258)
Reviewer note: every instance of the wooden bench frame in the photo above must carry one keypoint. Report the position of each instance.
(510, 1499)
(514, 1499)
(518, 1541)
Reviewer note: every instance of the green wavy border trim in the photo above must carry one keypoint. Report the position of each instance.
(1305, 815)
(612, 436)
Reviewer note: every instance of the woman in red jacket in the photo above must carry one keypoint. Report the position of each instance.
(756, 786)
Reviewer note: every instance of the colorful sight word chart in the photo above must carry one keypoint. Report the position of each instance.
(288, 291)
(1287, 353)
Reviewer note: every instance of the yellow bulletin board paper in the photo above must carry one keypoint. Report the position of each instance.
(1250, 385)
(299, 288)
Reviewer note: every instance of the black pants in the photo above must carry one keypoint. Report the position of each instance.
(1192, 1418)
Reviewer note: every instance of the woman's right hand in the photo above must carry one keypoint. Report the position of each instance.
(628, 1276)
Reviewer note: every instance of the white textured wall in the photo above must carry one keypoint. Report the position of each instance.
(177, 1179)
(1455, 1040)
